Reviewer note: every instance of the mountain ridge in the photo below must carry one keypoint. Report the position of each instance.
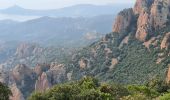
(135, 52)
(139, 35)
(80, 10)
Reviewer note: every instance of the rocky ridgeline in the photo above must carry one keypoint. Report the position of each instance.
(25, 50)
(143, 21)
(148, 17)
(151, 15)
(23, 80)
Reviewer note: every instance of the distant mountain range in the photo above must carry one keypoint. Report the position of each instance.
(81, 10)
(56, 31)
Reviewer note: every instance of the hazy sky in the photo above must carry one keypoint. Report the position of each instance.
(52, 4)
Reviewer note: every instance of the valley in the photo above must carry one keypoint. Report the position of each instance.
(58, 58)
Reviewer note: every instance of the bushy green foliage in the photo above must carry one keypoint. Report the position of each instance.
(115, 90)
(136, 89)
(159, 85)
(165, 96)
(37, 96)
(5, 92)
(89, 88)
(85, 89)
(136, 63)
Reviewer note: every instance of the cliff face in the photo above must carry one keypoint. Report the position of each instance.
(165, 44)
(136, 50)
(138, 45)
(123, 21)
(142, 5)
(54, 75)
(25, 50)
(16, 93)
(42, 84)
(151, 15)
(152, 19)
(23, 80)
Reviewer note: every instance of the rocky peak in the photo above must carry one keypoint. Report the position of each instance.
(20, 71)
(151, 15)
(26, 49)
(42, 83)
(142, 6)
(165, 44)
(159, 13)
(123, 21)
(57, 73)
(40, 68)
(24, 78)
(152, 19)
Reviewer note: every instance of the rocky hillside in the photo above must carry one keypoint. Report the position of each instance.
(64, 31)
(136, 51)
(23, 80)
(32, 54)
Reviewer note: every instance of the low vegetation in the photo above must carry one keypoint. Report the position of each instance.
(5, 92)
(90, 88)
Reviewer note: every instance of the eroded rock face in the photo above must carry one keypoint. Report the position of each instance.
(23, 80)
(165, 44)
(42, 84)
(144, 28)
(40, 68)
(151, 15)
(168, 75)
(24, 77)
(57, 73)
(123, 21)
(82, 64)
(159, 13)
(21, 71)
(142, 6)
(26, 49)
(54, 75)
(16, 93)
(114, 62)
(152, 42)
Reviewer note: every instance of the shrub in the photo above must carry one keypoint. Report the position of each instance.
(5, 92)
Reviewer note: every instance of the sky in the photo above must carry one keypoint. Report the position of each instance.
(54, 4)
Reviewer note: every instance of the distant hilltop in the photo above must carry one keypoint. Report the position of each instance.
(81, 10)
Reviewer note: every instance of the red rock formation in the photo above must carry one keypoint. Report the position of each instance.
(142, 6)
(20, 71)
(40, 68)
(57, 73)
(16, 93)
(83, 63)
(159, 13)
(23, 77)
(143, 26)
(42, 84)
(26, 49)
(123, 21)
(165, 44)
(151, 16)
